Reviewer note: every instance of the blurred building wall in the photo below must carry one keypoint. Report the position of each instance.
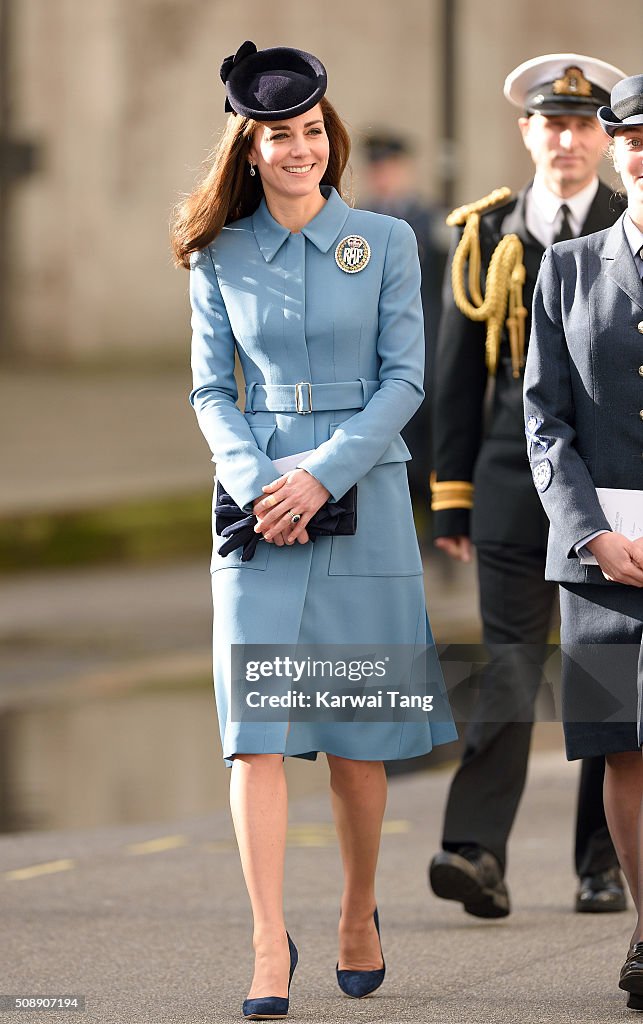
(125, 100)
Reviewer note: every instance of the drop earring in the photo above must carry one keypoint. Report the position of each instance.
(252, 170)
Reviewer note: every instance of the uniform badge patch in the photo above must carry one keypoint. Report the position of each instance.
(352, 254)
(542, 475)
(531, 433)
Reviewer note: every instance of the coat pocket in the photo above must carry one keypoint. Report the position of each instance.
(397, 451)
(262, 434)
(385, 543)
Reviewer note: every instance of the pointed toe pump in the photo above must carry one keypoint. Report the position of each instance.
(272, 1007)
(361, 983)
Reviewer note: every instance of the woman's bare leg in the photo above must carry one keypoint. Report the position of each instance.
(259, 804)
(358, 791)
(623, 796)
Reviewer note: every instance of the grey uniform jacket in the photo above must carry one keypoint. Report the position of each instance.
(584, 389)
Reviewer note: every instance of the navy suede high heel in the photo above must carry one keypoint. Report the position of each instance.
(361, 983)
(272, 1007)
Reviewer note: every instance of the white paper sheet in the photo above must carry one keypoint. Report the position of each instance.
(624, 512)
(289, 462)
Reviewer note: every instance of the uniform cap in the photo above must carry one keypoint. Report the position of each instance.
(625, 106)
(384, 145)
(562, 83)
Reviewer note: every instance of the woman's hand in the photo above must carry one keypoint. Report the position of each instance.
(296, 492)
(620, 559)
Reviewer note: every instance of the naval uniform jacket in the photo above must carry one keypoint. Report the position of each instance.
(332, 362)
(486, 444)
(584, 390)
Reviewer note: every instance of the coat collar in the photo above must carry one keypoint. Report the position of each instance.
(620, 265)
(322, 230)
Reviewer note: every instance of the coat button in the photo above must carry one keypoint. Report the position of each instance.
(641, 371)
(641, 414)
(639, 327)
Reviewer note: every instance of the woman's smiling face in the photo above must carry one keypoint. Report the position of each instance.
(291, 156)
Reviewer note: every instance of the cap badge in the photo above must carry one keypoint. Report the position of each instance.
(573, 83)
(352, 254)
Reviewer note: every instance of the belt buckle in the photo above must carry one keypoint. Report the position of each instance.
(299, 401)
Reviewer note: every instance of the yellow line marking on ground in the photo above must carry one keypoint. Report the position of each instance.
(219, 845)
(322, 833)
(396, 826)
(157, 845)
(49, 868)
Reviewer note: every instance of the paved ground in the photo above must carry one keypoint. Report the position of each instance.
(151, 923)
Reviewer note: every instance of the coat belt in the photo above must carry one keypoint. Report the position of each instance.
(305, 397)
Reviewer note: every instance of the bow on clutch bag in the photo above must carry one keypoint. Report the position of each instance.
(333, 519)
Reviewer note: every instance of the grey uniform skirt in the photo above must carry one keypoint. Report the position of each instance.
(602, 668)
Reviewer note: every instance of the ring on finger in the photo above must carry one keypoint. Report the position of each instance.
(294, 517)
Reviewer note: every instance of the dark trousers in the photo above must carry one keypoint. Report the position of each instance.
(516, 606)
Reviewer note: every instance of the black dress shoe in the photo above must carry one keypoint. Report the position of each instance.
(634, 1002)
(601, 894)
(474, 878)
(632, 971)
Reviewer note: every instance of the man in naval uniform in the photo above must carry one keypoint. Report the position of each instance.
(482, 491)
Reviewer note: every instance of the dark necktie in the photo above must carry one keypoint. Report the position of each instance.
(565, 229)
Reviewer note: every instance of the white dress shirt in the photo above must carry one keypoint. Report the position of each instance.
(543, 217)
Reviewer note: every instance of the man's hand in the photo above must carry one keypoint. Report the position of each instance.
(459, 547)
(620, 559)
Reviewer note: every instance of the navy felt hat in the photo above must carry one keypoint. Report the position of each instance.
(626, 105)
(273, 84)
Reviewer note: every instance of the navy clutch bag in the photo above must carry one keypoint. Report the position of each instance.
(333, 519)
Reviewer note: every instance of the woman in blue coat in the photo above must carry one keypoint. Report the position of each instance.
(321, 304)
(584, 420)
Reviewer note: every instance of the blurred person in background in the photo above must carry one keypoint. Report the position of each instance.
(321, 303)
(482, 491)
(583, 413)
(390, 187)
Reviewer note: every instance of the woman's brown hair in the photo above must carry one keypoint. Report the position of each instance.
(229, 192)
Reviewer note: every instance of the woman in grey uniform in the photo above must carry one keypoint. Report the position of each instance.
(321, 303)
(584, 425)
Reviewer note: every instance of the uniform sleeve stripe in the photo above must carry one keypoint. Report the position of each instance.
(447, 494)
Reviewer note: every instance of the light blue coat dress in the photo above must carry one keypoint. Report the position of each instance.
(282, 302)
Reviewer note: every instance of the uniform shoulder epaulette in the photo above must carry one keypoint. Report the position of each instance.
(496, 198)
(504, 278)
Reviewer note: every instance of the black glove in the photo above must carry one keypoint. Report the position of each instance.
(240, 534)
(336, 518)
